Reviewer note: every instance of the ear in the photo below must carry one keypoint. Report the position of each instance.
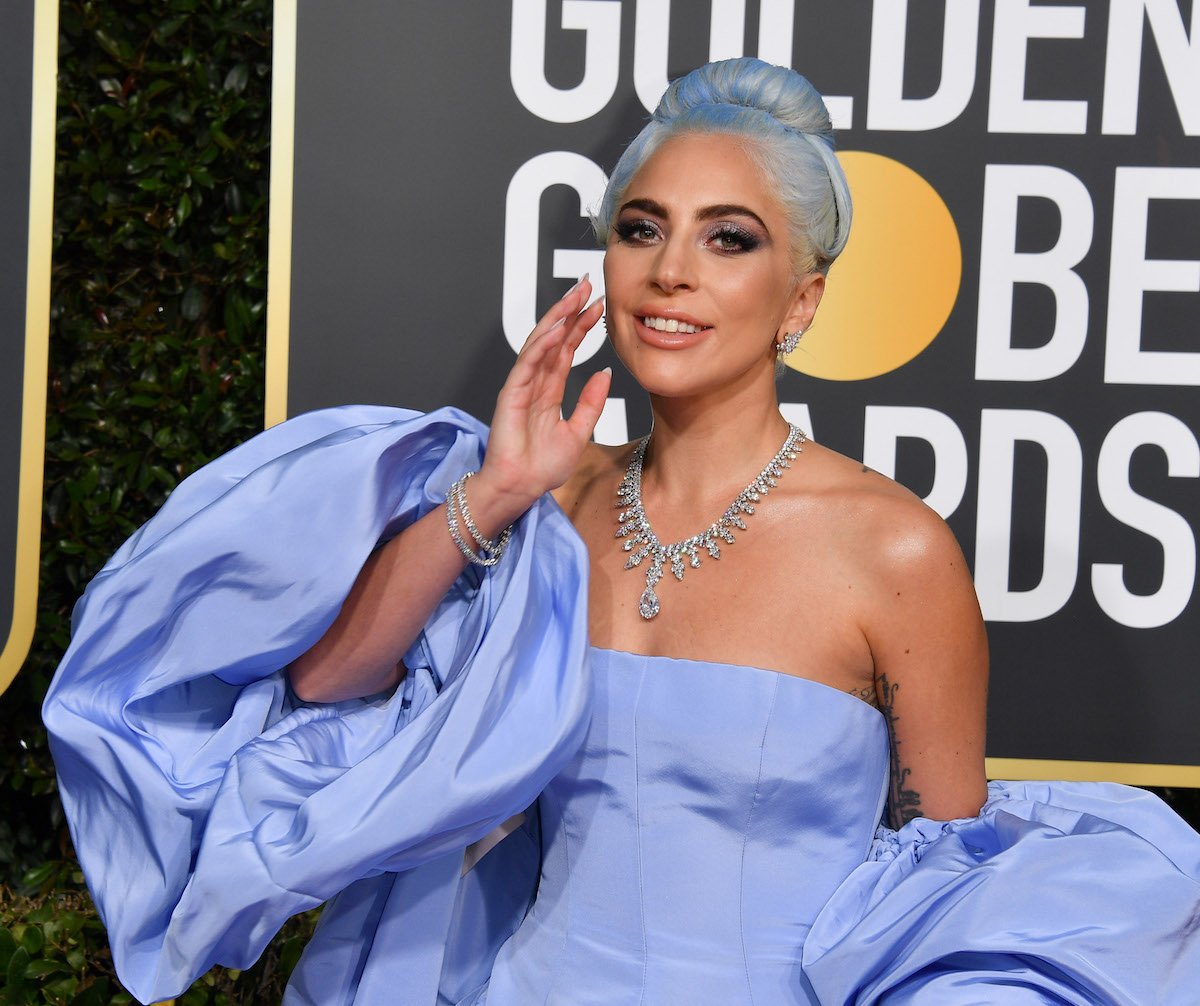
(803, 305)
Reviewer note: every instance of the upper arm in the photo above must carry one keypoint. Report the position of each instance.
(929, 649)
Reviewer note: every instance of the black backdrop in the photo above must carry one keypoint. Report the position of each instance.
(440, 154)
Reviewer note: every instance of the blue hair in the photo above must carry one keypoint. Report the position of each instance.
(788, 134)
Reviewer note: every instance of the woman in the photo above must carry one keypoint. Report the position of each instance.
(765, 672)
(700, 234)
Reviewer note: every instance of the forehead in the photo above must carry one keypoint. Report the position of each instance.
(694, 170)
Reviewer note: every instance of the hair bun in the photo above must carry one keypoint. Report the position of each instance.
(788, 131)
(780, 92)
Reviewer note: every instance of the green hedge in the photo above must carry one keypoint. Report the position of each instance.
(156, 365)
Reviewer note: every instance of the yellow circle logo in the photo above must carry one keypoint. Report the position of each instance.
(892, 289)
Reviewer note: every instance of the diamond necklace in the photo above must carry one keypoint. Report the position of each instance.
(642, 542)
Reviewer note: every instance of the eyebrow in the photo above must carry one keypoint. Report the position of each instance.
(706, 213)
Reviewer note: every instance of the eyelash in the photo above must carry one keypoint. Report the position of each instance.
(745, 240)
(628, 231)
(633, 232)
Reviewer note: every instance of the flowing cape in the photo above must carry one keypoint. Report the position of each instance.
(208, 805)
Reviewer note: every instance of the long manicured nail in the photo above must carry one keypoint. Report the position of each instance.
(578, 283)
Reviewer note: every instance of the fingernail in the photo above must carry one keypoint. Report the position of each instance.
(607, 370)
(578, 283)
(598, 300)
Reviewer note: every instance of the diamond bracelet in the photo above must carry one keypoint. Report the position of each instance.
(456, 507)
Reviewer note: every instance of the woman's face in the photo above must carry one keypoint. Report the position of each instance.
(698, 272)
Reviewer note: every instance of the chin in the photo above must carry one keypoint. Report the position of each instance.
(681, 375)
(670, 373)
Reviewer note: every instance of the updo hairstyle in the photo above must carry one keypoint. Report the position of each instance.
(788, 134)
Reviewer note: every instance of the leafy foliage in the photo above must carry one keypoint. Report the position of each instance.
(158, 329)
(53, 949)
(158, 319)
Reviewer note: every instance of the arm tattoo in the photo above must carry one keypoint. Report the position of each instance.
(867, 694)
(903, 804)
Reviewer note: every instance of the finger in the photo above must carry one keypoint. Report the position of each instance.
(535, 358)
(562, 310)
(591, 403)
(584, 322)
(546, 342)
(576, 332)
(543, 374)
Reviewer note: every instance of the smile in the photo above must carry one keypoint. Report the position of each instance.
(672, 325)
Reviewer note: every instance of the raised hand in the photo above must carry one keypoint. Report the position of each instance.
(532, 449)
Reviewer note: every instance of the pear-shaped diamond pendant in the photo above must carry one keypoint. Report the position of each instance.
(648, 605)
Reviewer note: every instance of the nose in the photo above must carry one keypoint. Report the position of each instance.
(674, 266)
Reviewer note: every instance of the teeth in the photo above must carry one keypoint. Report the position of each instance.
(670, 325)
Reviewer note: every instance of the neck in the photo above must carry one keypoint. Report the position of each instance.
(701, 446)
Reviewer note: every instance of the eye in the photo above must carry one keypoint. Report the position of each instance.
(732, 239)
(636, 231)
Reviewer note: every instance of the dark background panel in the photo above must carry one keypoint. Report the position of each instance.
(16, 82)
(404, 149)
(408, 132)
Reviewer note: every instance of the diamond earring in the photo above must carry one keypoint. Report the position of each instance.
(790, 341)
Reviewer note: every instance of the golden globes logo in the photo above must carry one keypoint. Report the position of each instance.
(894, 286)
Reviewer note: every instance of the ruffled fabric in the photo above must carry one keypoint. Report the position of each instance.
(1057, 893)
(207, 805)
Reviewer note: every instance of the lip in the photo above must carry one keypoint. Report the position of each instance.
(669, 340)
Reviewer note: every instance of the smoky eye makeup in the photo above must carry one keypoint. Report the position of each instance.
(732, 238)
(636, 230)
(727, 228)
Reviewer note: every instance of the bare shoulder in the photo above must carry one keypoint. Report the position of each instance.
(884, 527)
(600, 465)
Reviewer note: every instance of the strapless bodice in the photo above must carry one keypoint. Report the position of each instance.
(710, 814)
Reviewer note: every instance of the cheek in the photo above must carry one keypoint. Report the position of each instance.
(619, 297)
(608, 269)
(745, 293)
(770, 287)
(618, 273)
(612, 284)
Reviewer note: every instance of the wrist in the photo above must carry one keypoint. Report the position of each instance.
(494, 507)
(476, 547)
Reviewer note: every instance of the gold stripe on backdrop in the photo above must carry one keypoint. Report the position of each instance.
(1133, 773)
(37, 339)
(279, 241)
